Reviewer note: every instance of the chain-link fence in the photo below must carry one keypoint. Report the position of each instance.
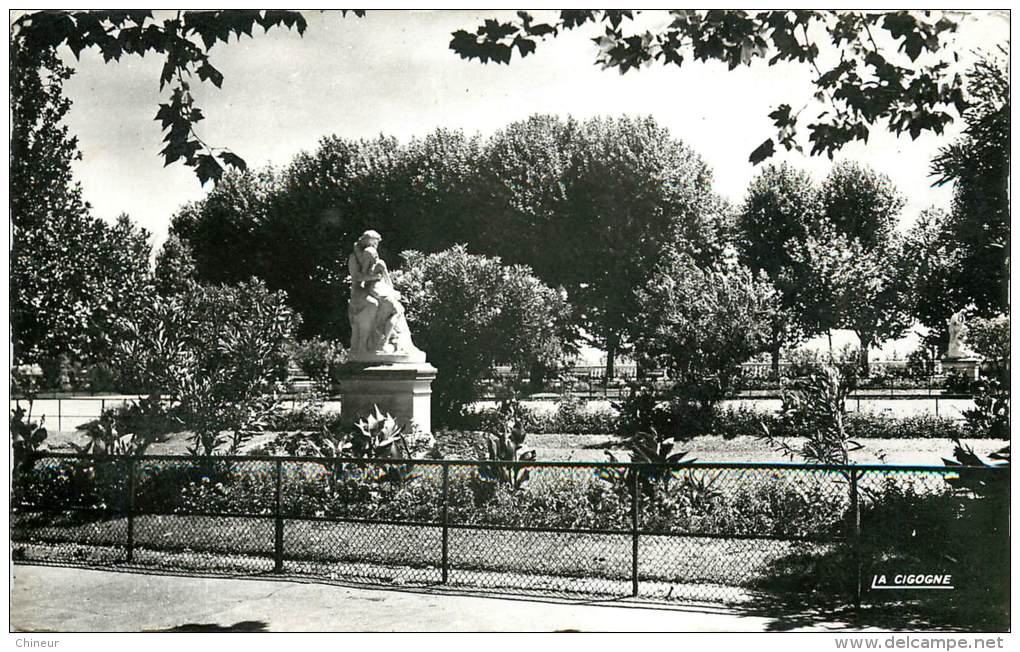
(727, 532)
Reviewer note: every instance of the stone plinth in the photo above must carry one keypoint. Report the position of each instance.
(403, 389)
(968, 366)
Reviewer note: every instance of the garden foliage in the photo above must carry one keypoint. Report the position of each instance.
(471, 313)
(219, 352)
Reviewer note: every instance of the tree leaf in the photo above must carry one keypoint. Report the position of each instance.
(762, 152)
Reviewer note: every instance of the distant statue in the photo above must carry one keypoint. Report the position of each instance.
(378, 328)
(958, 337)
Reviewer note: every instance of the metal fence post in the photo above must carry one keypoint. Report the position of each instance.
(446, 522)
(278, 521)
(855, 533)
(132, 470)
(634, 493)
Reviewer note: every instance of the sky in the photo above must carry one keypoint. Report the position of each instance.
(392, 73)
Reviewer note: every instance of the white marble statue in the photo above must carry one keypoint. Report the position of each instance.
(379, 330)
(958, 337)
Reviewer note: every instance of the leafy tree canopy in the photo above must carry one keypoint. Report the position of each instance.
(73, 277)
(702, 322)
(978, 165)
(861, 203)
(928, 267)
(781, 206)
(591, 205)
(871, 68)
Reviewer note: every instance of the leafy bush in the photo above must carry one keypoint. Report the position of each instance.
(471, 313)
(745, 421)
(921, 426)
(27, 437)
(702, 324)
(103, 377)
(990, 338)
(220, 351)
(128, 429)
(990, 415)
(574, 417)
(309, 417)
(61, 484)
(505, 444)
(571, 417)
(318, 358)
(815, 409)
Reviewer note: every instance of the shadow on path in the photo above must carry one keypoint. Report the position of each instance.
(243, 626)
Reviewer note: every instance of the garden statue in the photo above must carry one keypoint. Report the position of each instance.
(958, 337)
(379, 330)
(385, 370)
(958, 358)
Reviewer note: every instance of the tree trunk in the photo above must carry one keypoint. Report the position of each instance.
(865, 362)
(832, 358)
(536, 376)
(612, 343)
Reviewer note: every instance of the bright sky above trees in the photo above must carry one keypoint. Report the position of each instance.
(393, 73)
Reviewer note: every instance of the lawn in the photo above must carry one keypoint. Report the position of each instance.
(752, 449)
(572, 562)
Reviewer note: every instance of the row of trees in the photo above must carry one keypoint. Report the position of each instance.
(614, 213)
(589, 206)
(592, 207)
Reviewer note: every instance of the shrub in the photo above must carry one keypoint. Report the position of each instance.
(101, 377)
(571, 417)
(702, 324)
(128, 429)
(990, 415)
(220, 351)
(309, 417)
(990, 338)
(27, 437)
(318, 358)
(59, 484)
(922, 426)
(471, 313)
(815, 409)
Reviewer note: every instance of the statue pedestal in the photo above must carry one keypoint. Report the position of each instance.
(966, 366)
(403, 389)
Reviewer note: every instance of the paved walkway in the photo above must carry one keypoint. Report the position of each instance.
(47, 598)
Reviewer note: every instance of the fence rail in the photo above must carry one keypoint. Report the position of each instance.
(722, 532)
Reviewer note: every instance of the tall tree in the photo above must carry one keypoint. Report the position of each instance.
(72, 276)
(863, 206)
(861, 203)
(978, 166)
(590, 207)
(847, 285)
(780, 207)
(877, 74)
(928, 266)
(175, 267)
(293, 228)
